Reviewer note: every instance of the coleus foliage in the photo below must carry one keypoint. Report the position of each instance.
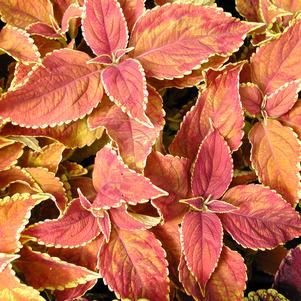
(88, 80)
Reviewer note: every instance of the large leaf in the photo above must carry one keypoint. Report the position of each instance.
(14, 215)
(288, 279)
(172, 40)
(75, 228)
(263, 220)
(104, 27)
(21, 13)
(275, 156)
(17, 43)
(173, 175)
(277, 63)
(65, 88)
(115, 183)
(12, 289)
(44, 272)
(213, 168)
(133, 264)
(134, 139)
(202, 238)
(125, 84)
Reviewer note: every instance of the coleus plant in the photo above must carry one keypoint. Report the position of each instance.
(155, 221)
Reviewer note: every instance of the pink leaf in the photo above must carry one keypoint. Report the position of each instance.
(133, 265)
(263, 220)
(76, 227)
(202, 236)
(125, 85)
(45, 92)
(115, 183)
(212, 171)
(18, 43)
(105, 225)
(72, 12)
(104, 26)
(43, 30)
(172, 40)
(220, 207)
(251, 98)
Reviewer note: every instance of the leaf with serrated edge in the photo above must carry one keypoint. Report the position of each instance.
(5, 259)
(115, 183)
(132, 10)
(173, 175)
(172, 40)
(125, 84)
(21, 13)
(18, 44)
(45, 91)
(134, 140)
(213, 168)
(263, 220)
(44, 30)
(251, 98)
(277, 62)
(16, 210)
(201, 235)
(293, 118)
(288, 277)
(218, 206)
(73, 11)
(104, 26)
(75, 228)
(44, 272)
(283, 99)
(10, 154)
(12, 289)
(133, 264)
(275, 155)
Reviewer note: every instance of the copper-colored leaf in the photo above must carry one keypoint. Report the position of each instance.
(251, 98)
(293, 118)
(275, 156)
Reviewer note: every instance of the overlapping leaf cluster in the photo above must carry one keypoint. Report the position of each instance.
(156, 221)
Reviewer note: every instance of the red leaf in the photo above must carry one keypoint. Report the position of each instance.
(75, 228)
(202, 236)
(263, 220)
(43, 30)
(134, 140)
(213, 168)
(288, 278)
(173, 175)
(220, 207)
(104, 27)
(172, 40)
(44, 272)
(275, 155)
(45, 92)
(125, 84)
(132, 10)
(133, 265)
(17, 43)
(115, 183)
(16, 210)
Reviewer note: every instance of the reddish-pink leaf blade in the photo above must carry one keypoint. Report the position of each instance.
(75, 228)
(293, 118)
(65, 88)
(44, 30)
(288, 277)
(202, 239)
(213, 168)
(283, 99)
(132, 10)
(115, 183)
(251, 98)
(14, 215)
(5, 259)
(104, 26)
(133, 264)
(105, 225)
(17, 43)
(277, 62)
(173, 175)
(72, 12)
(125, 85)
(12, 289)
(275, 155)
(217, 206)
(44, 272)
(263, 220)
(134, 140)
(22, 13)
(172, 40)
